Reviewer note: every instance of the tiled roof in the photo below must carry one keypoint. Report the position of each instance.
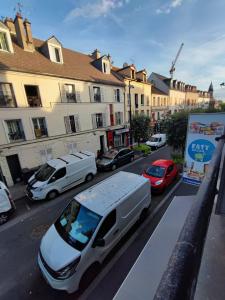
(76, 65)
(160, 76)
(157, 91)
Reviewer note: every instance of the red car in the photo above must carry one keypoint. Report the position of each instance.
(161, 174)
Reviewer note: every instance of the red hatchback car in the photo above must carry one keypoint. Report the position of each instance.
(161, 174)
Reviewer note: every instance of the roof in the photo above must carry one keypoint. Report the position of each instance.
(101, 197)
(157, 91)
(70, 158)
(210, 87)
(75, 65)
(161, 77)
(162, 162)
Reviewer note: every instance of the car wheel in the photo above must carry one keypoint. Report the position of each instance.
(113, 167)
(4, 218)
(89, 275)
(52, 195)
(89, 177)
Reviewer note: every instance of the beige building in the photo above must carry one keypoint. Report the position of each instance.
(53, 101)
(159, 104)
(192, 96)
(137, 90)
(203, 99)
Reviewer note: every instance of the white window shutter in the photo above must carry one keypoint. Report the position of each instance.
(102, 94)
(104, 120)
(91, 93)
(78, 97)
(67, 124)
(77, 123)
(94, 123)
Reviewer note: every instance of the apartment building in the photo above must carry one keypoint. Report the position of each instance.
(159, 104)
(137, 90)
(203, 99)
(53, 101)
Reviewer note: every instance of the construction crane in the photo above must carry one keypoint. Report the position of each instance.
(175, 60)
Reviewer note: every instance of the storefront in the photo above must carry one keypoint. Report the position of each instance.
(118, 138)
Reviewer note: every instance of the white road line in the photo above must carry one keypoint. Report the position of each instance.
(122, 250)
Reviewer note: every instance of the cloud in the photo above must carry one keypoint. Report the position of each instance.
(166, 9)
(95, 9)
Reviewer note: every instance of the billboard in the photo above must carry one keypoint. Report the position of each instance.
(200, 144)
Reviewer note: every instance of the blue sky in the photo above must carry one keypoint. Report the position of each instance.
(147, 33)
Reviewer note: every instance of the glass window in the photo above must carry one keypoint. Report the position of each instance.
(60, 173)
(142, 99)
(7, 98)
(77, 224)
(33, 97)
(99, 120)
(170, 169)
(40, 128)
(107, 224)
(57, 55)
(15, 130)
(3, 42)
(156, 171)
(136, 100)
(70, 93)
(44, 172)
(97, 94)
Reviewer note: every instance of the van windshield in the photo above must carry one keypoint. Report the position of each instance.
(77, 224)
(44, 172)
(154, 139)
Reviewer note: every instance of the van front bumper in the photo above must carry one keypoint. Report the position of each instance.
(33, 196)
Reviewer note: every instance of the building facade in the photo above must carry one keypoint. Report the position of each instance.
(53, 101)
(159, 104)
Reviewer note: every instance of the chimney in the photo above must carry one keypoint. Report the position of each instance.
(96, 54)
(10, 24)
(23, 33)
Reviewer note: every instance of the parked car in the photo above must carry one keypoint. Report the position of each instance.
(6, 203)
(89, 228)
(157, 140)
(61, 174)
(161, 174)
(115, 158)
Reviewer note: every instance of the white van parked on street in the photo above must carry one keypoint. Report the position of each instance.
(6, 204)
(61, 174)
(157, 140)
(88, 229)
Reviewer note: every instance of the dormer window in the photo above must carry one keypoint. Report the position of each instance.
(3, 42)
(52, 48)
(104, 67)
(57, 55)
(132, 74)
(5, 39)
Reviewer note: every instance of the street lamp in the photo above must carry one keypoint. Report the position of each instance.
(130, 115)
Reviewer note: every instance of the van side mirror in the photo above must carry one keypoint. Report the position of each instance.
(98, 243)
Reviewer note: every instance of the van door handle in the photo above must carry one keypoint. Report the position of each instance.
(116, 231)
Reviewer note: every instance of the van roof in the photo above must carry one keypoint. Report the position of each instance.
(159, 134)
(103, 196)
(62, 161)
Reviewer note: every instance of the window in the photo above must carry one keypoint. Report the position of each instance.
(169, 170)
(7, 98)
(142, 112)
(59, 174)
(72, 123)
(70, 93)
(132, 74)
(136, 100)
(164, 101)
(15, 130)
(153, 101)
(144, 78)
(119, 118)
(117, 95)
(97, 94)
(147, 100)
(104, 67)
(98, 120)
(40, 128)
(57, 55)
(3, 42)
(107, 225)
(33, 97)
(158, 101)
(142, 99)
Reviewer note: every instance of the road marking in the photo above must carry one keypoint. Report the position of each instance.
(122, 250)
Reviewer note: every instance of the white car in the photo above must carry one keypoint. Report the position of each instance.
(6, 204)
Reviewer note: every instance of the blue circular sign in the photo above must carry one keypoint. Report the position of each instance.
(201, 150)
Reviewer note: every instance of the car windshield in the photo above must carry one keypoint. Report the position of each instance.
(110, 154)
(156, 171)
(77, 224)
(44, 172)
(154, 139)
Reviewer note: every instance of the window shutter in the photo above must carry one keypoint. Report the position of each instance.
(77, 122)
(63, 93)
(94, 123)
(67, 124)
(115, 95)
(118, 95)
(102, 94)
(91, 93)
(104, 120)
(121, 118)
(78, 97)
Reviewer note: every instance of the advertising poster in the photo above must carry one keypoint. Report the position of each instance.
(200, 144)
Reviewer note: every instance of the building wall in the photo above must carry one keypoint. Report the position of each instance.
(176, 100)
(54, 109)
(191, 99)
(159, 106)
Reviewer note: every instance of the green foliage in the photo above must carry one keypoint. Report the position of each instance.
(222, 106)
(177, 158)
(140, 127)
(143, 148)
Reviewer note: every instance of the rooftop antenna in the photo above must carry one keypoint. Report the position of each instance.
(18, 8)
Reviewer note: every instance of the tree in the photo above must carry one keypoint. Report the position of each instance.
(140, 127)
(222, 106)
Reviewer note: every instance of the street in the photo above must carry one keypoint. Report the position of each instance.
(20, 240)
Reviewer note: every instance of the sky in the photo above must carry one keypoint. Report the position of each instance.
(146, 33)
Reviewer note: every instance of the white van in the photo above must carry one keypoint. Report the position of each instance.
(6, 204)
(157, 140)
(61, 174)
(88, 229)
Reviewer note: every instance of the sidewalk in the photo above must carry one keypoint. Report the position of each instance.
(18, 191)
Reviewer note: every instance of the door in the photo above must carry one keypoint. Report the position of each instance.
(14, 167)
(102, 143)
(169, 174)
(59, 179)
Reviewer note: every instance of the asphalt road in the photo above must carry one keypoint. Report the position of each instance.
(20, 240)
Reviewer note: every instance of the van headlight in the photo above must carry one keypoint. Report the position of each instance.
(69, 270)
(158, 182)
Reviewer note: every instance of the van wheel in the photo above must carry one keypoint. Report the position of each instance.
(113, 167)
(52, 195)
(4, 218)
(89, 177)
(143, 215)
(89, 275)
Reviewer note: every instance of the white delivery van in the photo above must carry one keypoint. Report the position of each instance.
(90, 227)
(6, 204)
(157, 140)
(61, 174)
